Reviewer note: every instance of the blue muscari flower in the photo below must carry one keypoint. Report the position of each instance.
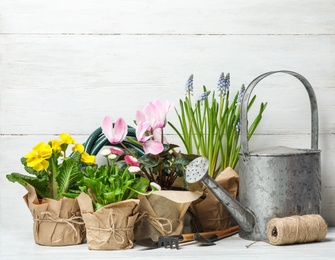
(223, 83)
(189, 85)
(203, 96)
(240, 95)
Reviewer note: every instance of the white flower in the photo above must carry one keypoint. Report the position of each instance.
(134, 169)
(105, 152)
(155, 186)
(112, 156)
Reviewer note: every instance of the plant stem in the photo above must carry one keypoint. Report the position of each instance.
(53, 174)
(125, 147)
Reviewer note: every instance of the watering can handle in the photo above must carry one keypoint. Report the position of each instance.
(245, 101)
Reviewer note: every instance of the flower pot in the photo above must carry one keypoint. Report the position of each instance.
(162, 213)
(208, 213)
(112, 226)
(56, 222)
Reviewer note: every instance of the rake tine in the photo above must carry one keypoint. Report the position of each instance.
(172, 241)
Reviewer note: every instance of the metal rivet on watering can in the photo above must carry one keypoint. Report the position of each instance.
(276, 182)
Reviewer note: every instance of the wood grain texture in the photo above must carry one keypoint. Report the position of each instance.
(54, 78)
(64, 65)
(168, 17)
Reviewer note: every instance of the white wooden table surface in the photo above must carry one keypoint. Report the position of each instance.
(19, 244)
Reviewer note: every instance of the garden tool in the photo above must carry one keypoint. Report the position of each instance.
(276, 182)
(204, 238)
(208, 241)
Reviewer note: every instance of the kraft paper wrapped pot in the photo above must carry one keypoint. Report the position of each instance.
(112, 226)
(56, 222)
(162, 213)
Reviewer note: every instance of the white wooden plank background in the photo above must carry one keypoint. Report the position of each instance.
(168, 17)
(64, 65)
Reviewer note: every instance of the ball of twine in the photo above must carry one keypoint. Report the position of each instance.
(296, 229)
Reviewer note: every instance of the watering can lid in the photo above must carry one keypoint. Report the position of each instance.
(281, 151)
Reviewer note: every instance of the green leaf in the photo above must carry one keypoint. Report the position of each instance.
(110, 196)
(168, 147)
(118, 191)
(76, 156)
(69, 173)
(40, 185)
(139, 186)
(89, 171)
(71, 195)
(179, 170)
(148, 161)
(181, 161)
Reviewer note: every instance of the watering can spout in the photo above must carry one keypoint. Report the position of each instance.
(197, 171)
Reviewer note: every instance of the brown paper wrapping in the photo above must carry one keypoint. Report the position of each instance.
(56, 222)
(162, 213)
(208, 213)
(111, 227)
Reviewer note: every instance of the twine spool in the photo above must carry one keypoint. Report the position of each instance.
(296, 229)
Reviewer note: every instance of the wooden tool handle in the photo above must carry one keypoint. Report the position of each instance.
(228, 232)
(187, 237)
(219, 233)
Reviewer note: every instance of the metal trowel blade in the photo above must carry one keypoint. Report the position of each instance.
(147, 242)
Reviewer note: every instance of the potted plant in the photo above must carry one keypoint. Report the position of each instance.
(57, 219)
(162, 212)
(210, 128)
(108, 201)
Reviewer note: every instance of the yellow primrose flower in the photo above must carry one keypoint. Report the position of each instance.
(78, 148)
(38, 164)
(56, 145)
(88, 159)
(67, 139)
(37, 158)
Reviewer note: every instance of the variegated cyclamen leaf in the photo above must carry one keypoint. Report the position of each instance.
(179, 170)
(181, 161)
(148, 161)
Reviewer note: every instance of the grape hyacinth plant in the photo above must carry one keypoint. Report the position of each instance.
(210, 127)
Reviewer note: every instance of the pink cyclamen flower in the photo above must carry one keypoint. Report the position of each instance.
(152, 147)
(117, 133)
(149, 145)
(158, 136)
(142, 131)
(116, 150)
(155, 113)
(131, 160)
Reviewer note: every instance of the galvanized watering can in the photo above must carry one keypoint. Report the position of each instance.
(277, 182)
